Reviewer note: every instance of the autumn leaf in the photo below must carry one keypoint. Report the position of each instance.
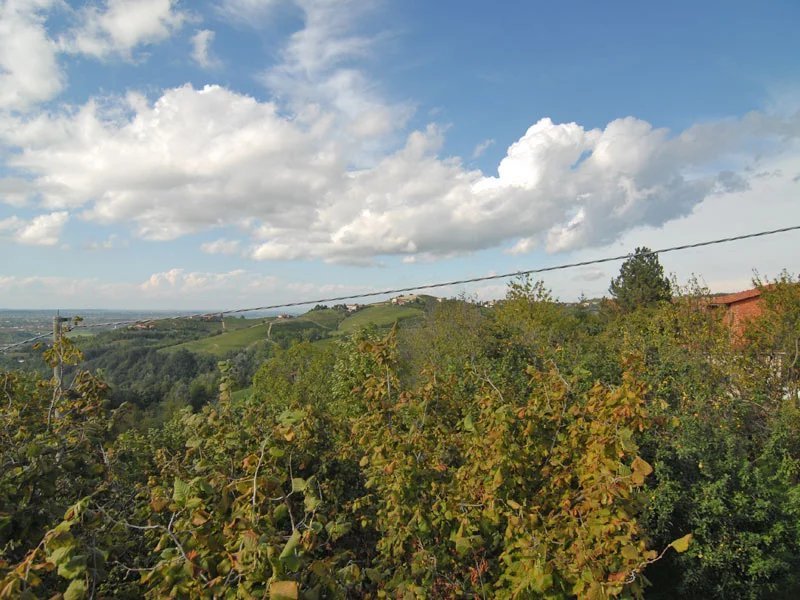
(682, 544)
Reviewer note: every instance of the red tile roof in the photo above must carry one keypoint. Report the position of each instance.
(729, 299)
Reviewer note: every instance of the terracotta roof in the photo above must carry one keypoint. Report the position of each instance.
(737, 297)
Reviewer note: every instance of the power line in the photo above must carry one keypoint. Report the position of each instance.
(428, 286)
(28, 341)
(584, 263)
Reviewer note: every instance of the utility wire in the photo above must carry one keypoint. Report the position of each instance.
(429, 286)
(28, 341)
(584, 263)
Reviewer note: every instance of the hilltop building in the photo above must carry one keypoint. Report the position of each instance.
(401, 300)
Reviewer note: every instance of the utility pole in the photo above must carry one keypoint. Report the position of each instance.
(57, 331)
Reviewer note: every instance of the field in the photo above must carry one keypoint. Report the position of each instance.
(381, 315)
(245, 332)
(317, 325)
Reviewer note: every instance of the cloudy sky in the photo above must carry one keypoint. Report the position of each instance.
(211, 155)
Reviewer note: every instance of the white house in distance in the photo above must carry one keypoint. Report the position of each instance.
(400, 300)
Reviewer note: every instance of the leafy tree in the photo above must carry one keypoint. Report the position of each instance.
(529, 450)
(641, 281)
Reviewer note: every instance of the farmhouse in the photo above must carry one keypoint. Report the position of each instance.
(739, 308)
(400, 300)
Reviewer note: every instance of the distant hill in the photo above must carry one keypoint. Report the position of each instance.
(316, 325)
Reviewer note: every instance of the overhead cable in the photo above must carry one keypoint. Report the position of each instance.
(429, 286)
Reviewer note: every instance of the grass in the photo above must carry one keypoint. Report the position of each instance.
(78, 334)
(325, 318)
(381, 315)
(222, 344)
(241, 333)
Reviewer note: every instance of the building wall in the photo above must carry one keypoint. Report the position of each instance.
(739, 313)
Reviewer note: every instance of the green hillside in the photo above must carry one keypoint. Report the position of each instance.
(381, 315)
(316, 325)
(326, 318)
(221, 344)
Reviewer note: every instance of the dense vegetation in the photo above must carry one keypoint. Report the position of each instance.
(531, 450)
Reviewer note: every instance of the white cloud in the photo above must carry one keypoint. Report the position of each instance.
(179, 281)
(287, 181)
(14, 192)
(249, 12)
(481, 148)
(42, 230)
(176, 289)
(232, 289)
(319, 80)
(110, 243)
(221, 246)
(201, 49)
(122, 25)
(29, 71)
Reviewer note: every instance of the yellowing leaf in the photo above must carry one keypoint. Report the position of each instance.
(76, 590)
(641, 466)
(283, 590)
(682, 544)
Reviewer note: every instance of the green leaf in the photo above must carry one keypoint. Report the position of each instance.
(288, 549)
(336, 529)
(60, 555)
(291, 417)
(74, 567)
(682, 544)
(76, 590)
(280, 512)
(465, 544)
(298, 484)
(181, 491)
(311, 503)
(468, 424)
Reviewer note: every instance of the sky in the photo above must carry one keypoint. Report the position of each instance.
(165, 154)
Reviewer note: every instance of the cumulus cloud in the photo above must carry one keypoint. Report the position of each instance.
(318, 79)
(289, 184)
(120, 26)
(201, 49)
(173, 289)
(221, 246)
(42, 230)
(14, 191)
(29, 71)
(181, 281)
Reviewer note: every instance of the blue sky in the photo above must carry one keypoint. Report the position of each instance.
(176, 155)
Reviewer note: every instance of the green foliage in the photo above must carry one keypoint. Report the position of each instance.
(525, 451)
(641, 281)
(224, 343)
(378, 315)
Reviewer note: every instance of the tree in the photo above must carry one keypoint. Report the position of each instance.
(641, 281)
